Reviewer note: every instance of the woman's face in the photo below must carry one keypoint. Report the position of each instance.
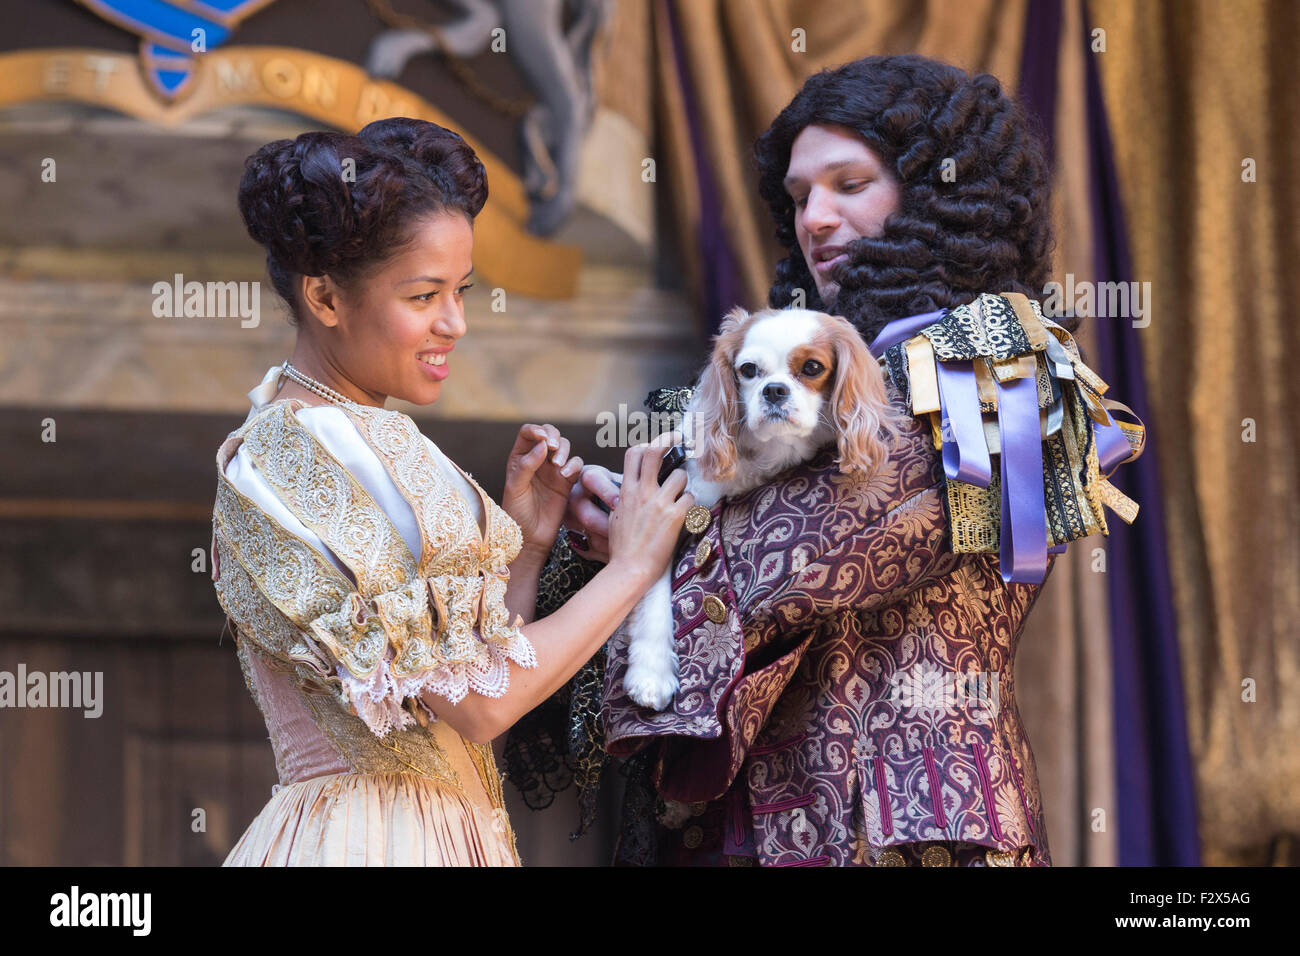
(395, 330)
(841, 192)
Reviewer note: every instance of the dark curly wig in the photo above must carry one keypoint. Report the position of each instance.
(989, 230)
(314, 220)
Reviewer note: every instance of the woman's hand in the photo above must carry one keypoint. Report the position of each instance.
(539, 476)
(647, 521)
(584, 519)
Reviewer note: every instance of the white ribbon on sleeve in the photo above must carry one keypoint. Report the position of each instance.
(268, 388)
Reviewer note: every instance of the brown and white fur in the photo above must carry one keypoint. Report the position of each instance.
(781, 384)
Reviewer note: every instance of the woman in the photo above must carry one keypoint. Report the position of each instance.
(379, 597)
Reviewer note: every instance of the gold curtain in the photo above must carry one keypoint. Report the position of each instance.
(1195, 89)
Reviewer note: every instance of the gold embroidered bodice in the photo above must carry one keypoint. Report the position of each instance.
(361, 657)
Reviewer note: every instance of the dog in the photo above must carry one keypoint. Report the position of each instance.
(780, 385)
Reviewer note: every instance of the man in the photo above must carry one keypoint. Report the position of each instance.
(851, 700)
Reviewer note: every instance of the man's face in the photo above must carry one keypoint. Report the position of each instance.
(841, 192)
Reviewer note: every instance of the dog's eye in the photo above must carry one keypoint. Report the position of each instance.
(812, 367)
(748, 370)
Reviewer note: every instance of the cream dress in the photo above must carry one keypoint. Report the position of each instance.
(344, 634)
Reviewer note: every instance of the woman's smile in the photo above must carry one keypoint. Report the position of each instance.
(434, 364)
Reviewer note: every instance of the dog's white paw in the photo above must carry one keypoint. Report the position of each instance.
(649, 686)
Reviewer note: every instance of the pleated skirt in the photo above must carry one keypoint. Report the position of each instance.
(388, 819)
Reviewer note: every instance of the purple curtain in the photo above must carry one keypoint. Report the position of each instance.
(719, 272)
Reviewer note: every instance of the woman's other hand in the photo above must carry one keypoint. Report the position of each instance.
(647, 521)
(539, 477)
(588, 525)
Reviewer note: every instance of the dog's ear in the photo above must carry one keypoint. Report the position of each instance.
(866, 422)
(734, 320)
(715, 407)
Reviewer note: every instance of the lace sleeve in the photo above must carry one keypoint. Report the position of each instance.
(312, 540)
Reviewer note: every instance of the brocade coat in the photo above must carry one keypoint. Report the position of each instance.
(831, 723)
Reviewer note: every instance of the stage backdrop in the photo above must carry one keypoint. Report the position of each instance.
(122, 151)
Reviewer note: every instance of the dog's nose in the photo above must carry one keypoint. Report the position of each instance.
(776, 393)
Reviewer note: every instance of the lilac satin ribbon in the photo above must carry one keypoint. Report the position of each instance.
(1112, 446)
(966, 455)
(899, 330)
(1023, 534)
(965, 449)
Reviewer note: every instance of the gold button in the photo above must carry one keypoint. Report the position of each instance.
(714, 609)
(698, 808)
(697, 519)
(891, 857)
(936, 856)
(1000, 857)
(703, 553)
(693, 837)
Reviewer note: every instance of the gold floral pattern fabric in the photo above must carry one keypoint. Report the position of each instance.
(407, 626)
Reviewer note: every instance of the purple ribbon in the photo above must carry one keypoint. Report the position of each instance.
(965, 449)
(900, 330)
(1024, 509)
(966, 456)
(1112, 446)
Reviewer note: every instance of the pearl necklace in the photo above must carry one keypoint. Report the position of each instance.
(323, 390)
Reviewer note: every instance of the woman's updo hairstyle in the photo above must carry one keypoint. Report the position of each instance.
(318, 214)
